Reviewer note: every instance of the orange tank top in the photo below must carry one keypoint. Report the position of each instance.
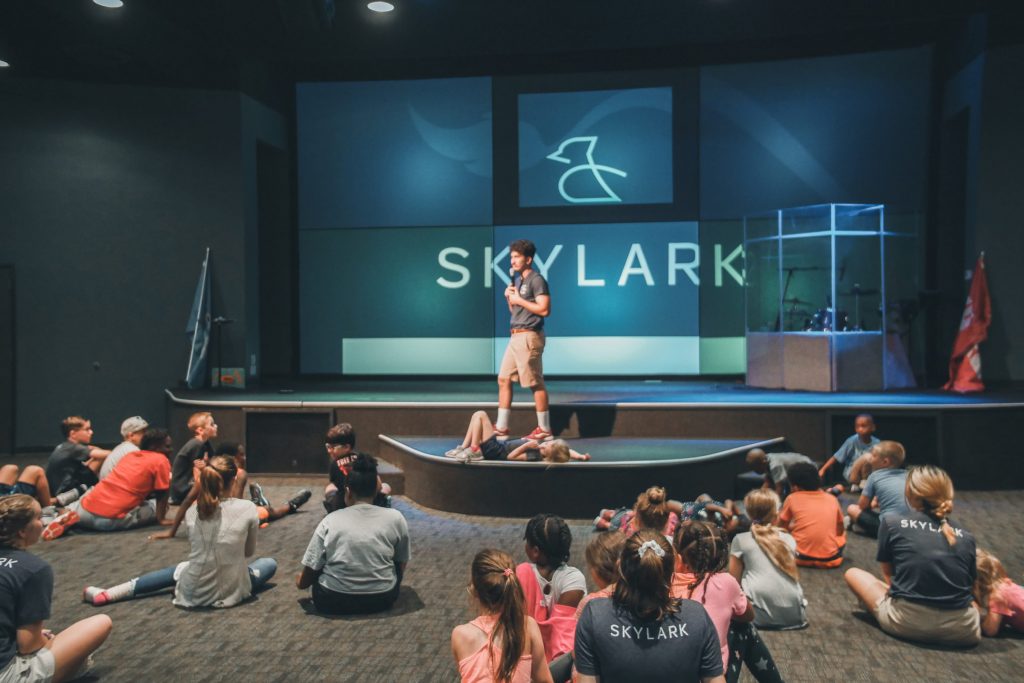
(479, 666)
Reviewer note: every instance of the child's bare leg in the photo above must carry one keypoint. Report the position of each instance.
(36, 476)
(868, 588)
(854, 511)
(480, 429)
(9, 475)
(74, 644)
(240, 487)
(861, 469)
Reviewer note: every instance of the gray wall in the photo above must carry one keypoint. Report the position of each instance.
(999, 217)
(109, 196)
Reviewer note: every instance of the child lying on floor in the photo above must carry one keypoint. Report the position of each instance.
(481, 443)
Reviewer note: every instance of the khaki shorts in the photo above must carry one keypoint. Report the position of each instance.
(37, 667)
(523, 361)
(914, 621)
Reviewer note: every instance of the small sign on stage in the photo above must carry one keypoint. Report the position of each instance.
(230, 378)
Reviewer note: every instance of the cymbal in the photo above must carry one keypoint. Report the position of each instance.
(857, 291)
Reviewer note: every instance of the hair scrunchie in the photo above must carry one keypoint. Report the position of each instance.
(652, 546)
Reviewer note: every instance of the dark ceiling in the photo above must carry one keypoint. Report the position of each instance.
(234, 43)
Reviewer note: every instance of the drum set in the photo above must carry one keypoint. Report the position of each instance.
(828, 318)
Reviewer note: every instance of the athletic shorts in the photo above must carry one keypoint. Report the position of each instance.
(523, 359)
(37, 667)
(16, 488)
(914, 621)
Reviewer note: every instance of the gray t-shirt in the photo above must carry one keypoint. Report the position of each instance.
(615, 646)
(850, 452)
(778, 462)
(889, 485)
(357, 548)
(778, 600)
(533, 286)
(122, 449)
(66, 467)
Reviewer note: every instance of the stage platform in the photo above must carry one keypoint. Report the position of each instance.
(619, 468)
(976, 437)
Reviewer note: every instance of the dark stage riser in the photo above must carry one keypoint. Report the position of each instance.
(980, 447)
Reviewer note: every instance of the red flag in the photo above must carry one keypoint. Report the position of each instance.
(965, 363)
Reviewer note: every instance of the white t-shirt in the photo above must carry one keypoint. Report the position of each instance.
(778, 600)
(357, 548)
(216, 573)
(563, 580)
(122, 449)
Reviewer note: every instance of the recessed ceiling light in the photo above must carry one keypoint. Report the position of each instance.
(109, 4)
(3, 64)
(380, 6)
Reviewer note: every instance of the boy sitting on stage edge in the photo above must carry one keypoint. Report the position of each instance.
(853, 454)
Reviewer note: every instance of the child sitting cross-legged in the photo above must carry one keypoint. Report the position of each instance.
(1000, 599)
(852, 456)
(702, 554)
(763, 561)
(884, 490)
(814, 518)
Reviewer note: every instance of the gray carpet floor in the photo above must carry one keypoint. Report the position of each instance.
(276, 638)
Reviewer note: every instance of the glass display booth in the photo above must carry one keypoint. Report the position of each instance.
(822, 289)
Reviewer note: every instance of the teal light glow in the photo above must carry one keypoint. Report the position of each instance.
(596, 169)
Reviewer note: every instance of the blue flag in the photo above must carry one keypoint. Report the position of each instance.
(197, 331)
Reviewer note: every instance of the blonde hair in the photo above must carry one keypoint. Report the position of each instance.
(933, 487)
(16, 512)
(892, 451)
(214, 480)
(197, 420)
(603, 554)
(762, 507)
(558, 451)
(991, 573)
(651, 509)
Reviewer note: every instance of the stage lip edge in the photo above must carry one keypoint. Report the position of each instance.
(440, 459)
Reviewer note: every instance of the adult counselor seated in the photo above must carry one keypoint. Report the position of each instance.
(357, 555)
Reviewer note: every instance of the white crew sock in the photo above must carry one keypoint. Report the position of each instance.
(121, 591)
(68, 497)
(544, 420)
(503, 416)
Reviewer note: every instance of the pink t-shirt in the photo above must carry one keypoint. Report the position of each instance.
(479, 666)
(1012, 608)
(721, 596)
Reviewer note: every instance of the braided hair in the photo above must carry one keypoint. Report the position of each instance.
(703, 548)
(551, 536)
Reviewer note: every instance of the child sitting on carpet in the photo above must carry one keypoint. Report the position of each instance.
(814, 519)
(651, 511)
(341, 449)
(551, 587)
(222, 532)
(1001, 600)
(503, 643)
(28, 652)
(602, 556)
(702, 554)
(853, 454)
(481, 443)
(762, 560)
(884, 490)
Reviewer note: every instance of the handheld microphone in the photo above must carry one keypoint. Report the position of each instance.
(512, 274)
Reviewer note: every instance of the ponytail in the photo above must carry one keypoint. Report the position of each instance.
(934, 489)
(214, 481)
(762, 507)
(497, 588)
(645, 576)
(651, 509)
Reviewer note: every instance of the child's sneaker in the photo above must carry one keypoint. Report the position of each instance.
(469, 455)
(299, 499)
(501, 434)
(847, 522)
(256, 495)
(58, 526)
(538, 434)
(836, 490)
(94, 595)
(454, 452)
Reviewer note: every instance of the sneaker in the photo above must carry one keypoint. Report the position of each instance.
(847, 522)
(299, 499)
(71, 495)
(256, 495)
(469, 455)
(453, 453)
(501, 434)
(854, 488)
(836, 490)
(538, 434)
(62, 523)
(94, 595)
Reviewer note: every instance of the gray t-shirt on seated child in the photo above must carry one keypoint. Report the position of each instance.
(778, 462)
(530, 288)
(778, 600)
(851, 450)
(889, 485)
(616, 646)
(357, 548)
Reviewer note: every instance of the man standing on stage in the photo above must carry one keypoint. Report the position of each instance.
(529, 303)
